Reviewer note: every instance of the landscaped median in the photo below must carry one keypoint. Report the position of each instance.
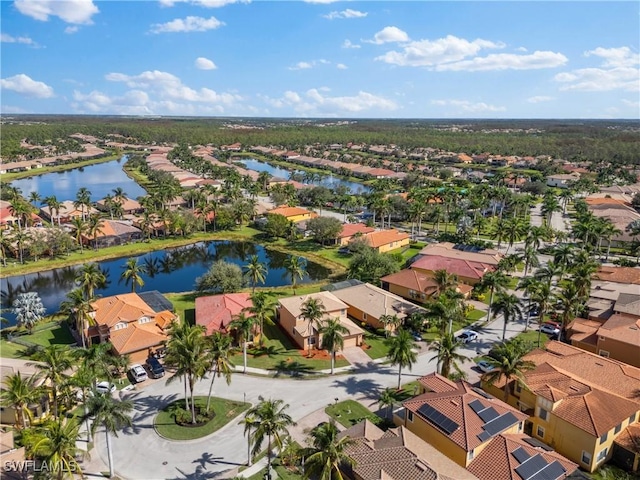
(173, 421)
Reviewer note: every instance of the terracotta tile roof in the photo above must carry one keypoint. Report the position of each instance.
(447, 249)
(412, 280)
(215, 312)
(290, 211)
(375, 301)
(332, 304)
(455, 404)
(384, 237)
(435, 382)
(398, 454)
(455, 266)
(623, 328)
(126, 307)
(350, 229)
(137, 337)
(605, 201)
(498, 462)
(113, 228)
(629, 438)
(619, 274)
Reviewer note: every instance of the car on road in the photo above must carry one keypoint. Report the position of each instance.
(156, 370)
(417, 337)
(485, 366)
(137, 373)
(467, 336)
(105, 387)
(549, 329)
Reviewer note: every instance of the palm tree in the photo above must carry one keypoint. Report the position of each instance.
(19, 209)
(19, 393)
(119, 195)
(90, 277)
(57, 445)
(295, 268)
(569, 301)
(312, 310)
(390, 322)
(248, 421)
(386, 400)
(96, 361)
(401, 351)
(110, 414)
(54, 206)
(94, 227)
(80, 227)
(78, 308)
(255, 271)
(510, 307)
(327, 453)
(28, 310)
(263, 309)
(445, 280)
(508, 364)
(20, 237)
(530, 259)
(446, 354)
(186, 352)
(271, 421)
(219, 351)
(332, 338)
(495, 281)
(54, 361)
(83, 199)
(244, 325)
(133, 273)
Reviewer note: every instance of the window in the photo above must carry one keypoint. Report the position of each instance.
(602, 454)
(120, 326)
(586, 458)
(520, 427)
(543, 414)
(144, 320)
(364, 316)
(540, 431)
(603, 438)
(470, 455)
(518, 387)
(410, 416)
(632, 418)
(603, 353)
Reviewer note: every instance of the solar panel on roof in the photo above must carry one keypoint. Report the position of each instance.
(520, 454)
(534, 442)
(440, 420)
(481, 392)
(553, 471)
(485, 413)
(156, 301)
(500, 423)
(531, 467)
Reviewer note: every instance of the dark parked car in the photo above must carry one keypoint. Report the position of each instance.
(156, 370)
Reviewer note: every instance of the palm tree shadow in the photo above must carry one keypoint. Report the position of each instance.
(355, 386)
(200, 473)
(292, 368)
(270, 351)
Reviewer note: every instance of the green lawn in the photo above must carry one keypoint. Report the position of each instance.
(350, 412)
(283, 473)
(532, 336)
(57, 334)
(225, 412)
(476, 314)
(378, 348)
(10, 349)
(412, 251)
(513, 282)
(280, 354)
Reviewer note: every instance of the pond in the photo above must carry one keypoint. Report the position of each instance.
(99, 179)
(328, 180)
(171, 270)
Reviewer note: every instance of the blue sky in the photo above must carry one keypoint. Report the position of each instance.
(322, 58)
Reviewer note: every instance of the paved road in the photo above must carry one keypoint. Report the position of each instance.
(140, 453)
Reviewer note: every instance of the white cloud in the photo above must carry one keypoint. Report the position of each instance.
(188, 24)
(428, 53)
(631, 103)
(466, 106)
(347, 44)
(308, 65)
(70, 30)
(11, 109)
(539, 99)
(615, 57)
(341, 66)
(507, 61)
(25, 85)
(348, 13)
(389, 35)
(316, 102)
(133, 102)
(6, 38)
(169, 87)
(203, 63)
(70, 11)
(203, 3)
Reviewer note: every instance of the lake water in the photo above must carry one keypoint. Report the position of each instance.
(330, 181)
(99, 179)
(171, 270)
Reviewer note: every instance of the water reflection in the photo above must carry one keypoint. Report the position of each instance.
(171, 270)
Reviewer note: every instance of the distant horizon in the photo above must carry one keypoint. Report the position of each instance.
(322, 59)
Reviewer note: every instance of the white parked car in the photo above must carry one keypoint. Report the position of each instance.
(105, 387)
(137, 373)
(549, 329)
(467, 336)
(485, 366)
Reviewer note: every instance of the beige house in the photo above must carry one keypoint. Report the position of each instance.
(367, 303)
(305, 335)
(9, 367)
(486, 256)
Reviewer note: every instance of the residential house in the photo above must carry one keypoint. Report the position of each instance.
(604, 295)
(621, 216)
(578, 402)
(11, 366)
(112, 232)
(7, 219)
(386, 240)
(562, 180)
(289, 314)
(456, 418)
(135, 324)
(627, 275)
(396, 454)
(463, 252)
(367, 303)
(129, 206)
(216, 312)
(626, 449)
(351, 231)
(416, 285)
(67, 212)
(293, 214)
(467, 271)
